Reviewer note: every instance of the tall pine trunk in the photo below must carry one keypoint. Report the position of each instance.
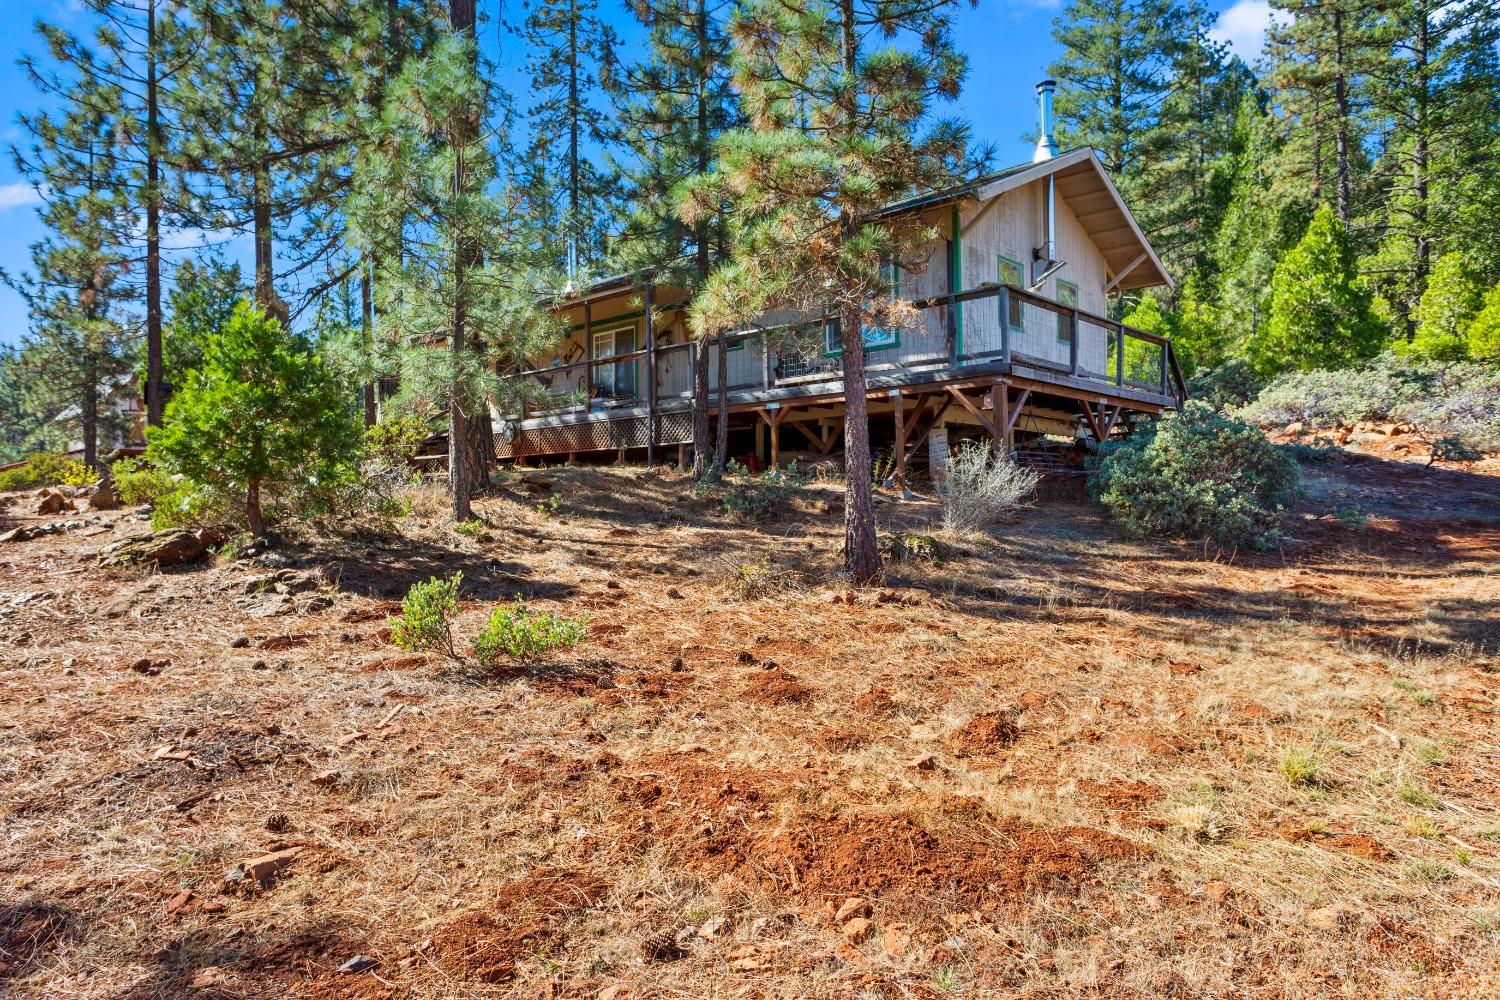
(367, 342)
(1341, 123)
(702, 453)
(155, 396)
(461, 16)
(861, 553)
(90, 410)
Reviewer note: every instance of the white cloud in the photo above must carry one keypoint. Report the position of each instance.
(1243, 28)
(18, 195)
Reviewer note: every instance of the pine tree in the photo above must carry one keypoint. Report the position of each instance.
(458, 280)
(1320, 308)
(1119, 92)
(1261, 222)
(1454, 296)
(1437, 98)
(682, 100)
(203, 298)
(129, 74)
(75, 355)
(572, 179)
(1325, 52)
(262, 412)
(837, 129)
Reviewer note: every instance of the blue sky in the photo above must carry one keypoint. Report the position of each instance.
(1009, 43)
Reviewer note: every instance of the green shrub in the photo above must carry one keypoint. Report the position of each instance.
(517, 631)
(1196, 475)
(1234, 383)
(263, 418)
(753, 498)
(1458, 399)
(139, 482)
(427, 612)
(45, 468)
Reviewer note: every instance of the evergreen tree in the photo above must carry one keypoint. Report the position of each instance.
(1320, 308)
(203, 298)
(837, 129)
(1437, 99)
(1261, 222)
(572, 180)
(1141, 83)
(458, 279)
(682, 100)
(1454, 296)
(140, 51)
(262, 412)
(1325, 52)
(76, 353)
(1484, 331)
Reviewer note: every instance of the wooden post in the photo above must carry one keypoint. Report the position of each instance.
(1073, 342)
(1120, 355)
(1164, 368)
(588, 357)
(765, 362)
(1005, 324)
(650, 378)
(900, 404)
(681, 456)
(1001, 396)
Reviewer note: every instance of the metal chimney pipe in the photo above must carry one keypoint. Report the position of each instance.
(1046, 142)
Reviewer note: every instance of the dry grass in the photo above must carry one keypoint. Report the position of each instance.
(759, 754)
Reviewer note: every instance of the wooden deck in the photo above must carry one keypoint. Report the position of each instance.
(640, 401)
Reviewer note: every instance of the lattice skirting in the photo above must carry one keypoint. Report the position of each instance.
(592, 435)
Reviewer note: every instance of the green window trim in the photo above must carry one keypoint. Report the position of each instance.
(1065, 323)
(1017, 307)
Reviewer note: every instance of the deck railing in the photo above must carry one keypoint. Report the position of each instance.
(1130, 358)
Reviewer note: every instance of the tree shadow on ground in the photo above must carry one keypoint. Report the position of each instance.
(388, 571)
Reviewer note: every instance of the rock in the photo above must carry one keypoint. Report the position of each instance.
(161, 548)
(854, 906)
(265, 868)
(24, 533)
(104, 496)
(327, 778)
(1295, 427)
(714, 927)
(674, 593)
(240, 642)
(150, 667)
(830, 597)
(53, 502)
(208, 978)
(896, 939)
(859, 929)
(926, 762)
(359, 963)
(615, 992)
(253, 549)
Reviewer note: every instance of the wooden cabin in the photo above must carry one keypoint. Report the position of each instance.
(1012, 341)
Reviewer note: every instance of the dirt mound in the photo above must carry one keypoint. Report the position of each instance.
(707, 812)
(876, 701)
(521, 919)
(987, 732)
(1125, 795)
(1357, 844)
(777, 686)
(900, 856)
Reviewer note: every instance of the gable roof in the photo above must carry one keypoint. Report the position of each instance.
(1083, 183)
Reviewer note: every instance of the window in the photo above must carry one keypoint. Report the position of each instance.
(1067, 295)
(876, 338)
(614, 380)
(1010, 273)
